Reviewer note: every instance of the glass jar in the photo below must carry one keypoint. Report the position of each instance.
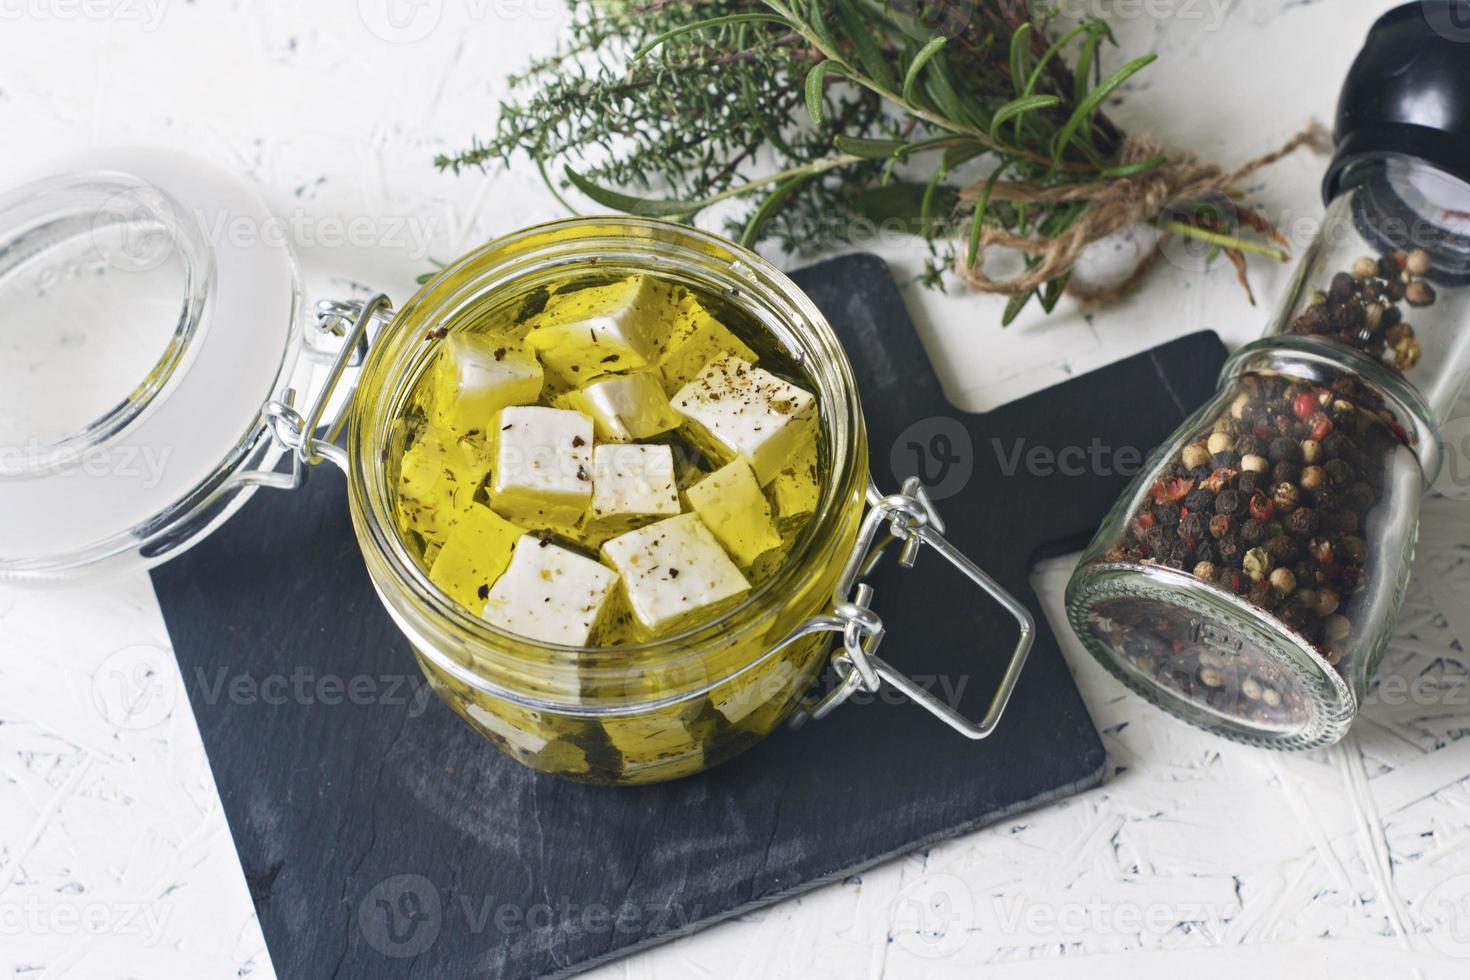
(618, 714)
(614, 714)
(1248, 579)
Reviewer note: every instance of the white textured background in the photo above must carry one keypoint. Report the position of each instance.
(1196, 857)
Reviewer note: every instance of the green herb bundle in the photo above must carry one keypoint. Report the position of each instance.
(819, 113)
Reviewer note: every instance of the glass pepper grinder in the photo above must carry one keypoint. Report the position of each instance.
(1248, 579)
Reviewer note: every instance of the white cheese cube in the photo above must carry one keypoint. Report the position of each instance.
(587, 333)
(633, 481)
(735, 409)
(542, 467)
(672, 571)
(549, 594)
(627, 407)
(477, 375)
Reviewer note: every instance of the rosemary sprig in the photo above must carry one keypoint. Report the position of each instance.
(810, 108)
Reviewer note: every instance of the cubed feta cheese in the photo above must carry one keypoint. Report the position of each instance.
(586, 333)
(697, 339)
(542, 466)
(549, 594)
(797, 488)
(734, 409)
(478, 374)
(477, 551)
(632, 481)
(626, 408)
(731, 504)
(437, 480)
(673, 571)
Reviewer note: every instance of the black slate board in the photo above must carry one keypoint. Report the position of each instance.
(381, 839)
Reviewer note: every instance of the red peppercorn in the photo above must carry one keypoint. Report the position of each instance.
(1171, 491)
(1321, 425)
(1261, 507)
(1262, 431)
(1143, 522)
(1304, 405)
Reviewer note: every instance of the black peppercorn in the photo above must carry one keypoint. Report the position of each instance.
(1303, 522)
(1252, 532)
(1229, 502)
(1351, 579)
(1283, 549)
(1285, 472)
(1250, 445)
(1285, 497)
(1335, 444)
(1192, 526)
(1250, 483)
(1281, 448)
(1360, 496)
(1167, 514)
(1205, 551)
(1343, 521)
(1230, 551)
(1341, 288)
(1388, 267)
(1200, 501)
(1338, 471)
(1227, 460)
(1220, 525)
(1180, 550)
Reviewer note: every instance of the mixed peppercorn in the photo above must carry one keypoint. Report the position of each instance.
(1273, 501)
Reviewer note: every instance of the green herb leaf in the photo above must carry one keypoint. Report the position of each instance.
(768, 209)
(981, 207)
(645, 206)
(856, 26)
(1020, 45)
(815, 105)
(1094, 101)
(927, 52)
(871, 149)
(1133, 169)
(705, 25)
(1014, 308)
(1015, 108)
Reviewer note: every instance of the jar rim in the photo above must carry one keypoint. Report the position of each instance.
(510, 266)
(91, 207)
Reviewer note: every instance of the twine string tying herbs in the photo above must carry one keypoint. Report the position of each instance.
(1112, 206)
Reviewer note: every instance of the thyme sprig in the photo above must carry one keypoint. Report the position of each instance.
(820, 113)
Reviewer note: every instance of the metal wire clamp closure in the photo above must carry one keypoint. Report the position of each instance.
(908, 517)
(341, 332)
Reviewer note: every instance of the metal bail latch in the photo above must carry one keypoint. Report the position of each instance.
(908, 517)
(340, 333)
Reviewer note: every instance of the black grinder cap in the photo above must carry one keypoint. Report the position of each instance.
(1408, 92)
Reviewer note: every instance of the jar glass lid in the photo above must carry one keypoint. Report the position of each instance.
(146, 316)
